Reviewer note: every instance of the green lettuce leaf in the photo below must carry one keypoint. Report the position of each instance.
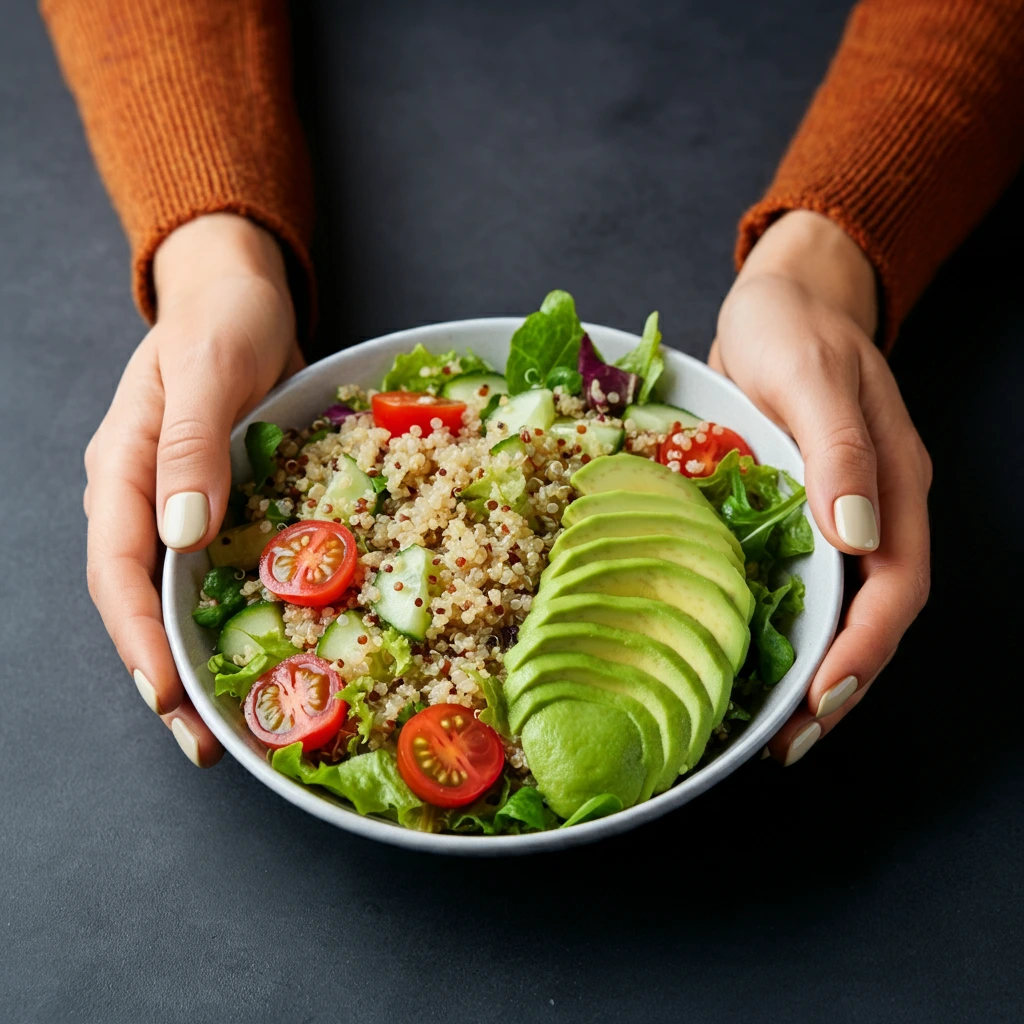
(420, 370)
(398, 647)
(504, 813)
(261, 441)
(546, 339)
(235, 680)
(408, 711)
(354, 694)
(277, 515)
(596, 807)
(527, 806)
(370, 782)
(773, 615)
(645, 360)
(224, 587)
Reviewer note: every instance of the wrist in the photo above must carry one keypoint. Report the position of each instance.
(216, 247)
(815, 253)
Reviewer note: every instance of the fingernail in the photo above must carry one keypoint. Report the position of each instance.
(147, 691)
(855, 522)
(801, 743)
(186, 516)
(833, 699)
(186, 740)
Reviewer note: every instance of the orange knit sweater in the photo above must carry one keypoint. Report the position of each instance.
(914, 133)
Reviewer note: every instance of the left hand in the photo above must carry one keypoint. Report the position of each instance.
(795, 333)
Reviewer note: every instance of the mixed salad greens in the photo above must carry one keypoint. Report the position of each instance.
(445, 766)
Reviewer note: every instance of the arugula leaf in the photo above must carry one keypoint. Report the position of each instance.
(222, 585)
(546, 339)
(398, 647)
(508, 813)
(525, 805)
(793, 536)
(379, 483)
(420, 370)
(261, 441)
(370, 782)
(774, 609)
(569, 379)
(736, 713)
(317, 435)
(596, 807)
(645, 360)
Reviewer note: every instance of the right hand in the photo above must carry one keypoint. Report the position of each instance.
(225, 336)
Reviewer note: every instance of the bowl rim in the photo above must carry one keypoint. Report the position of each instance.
(334, 812)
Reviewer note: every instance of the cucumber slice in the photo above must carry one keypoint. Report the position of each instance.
(509, 444)
(534, 408)
(347, 485)
(341, 643)
(597, 439)
(240, 546)
(475, 388)
(258, 620)
(659, 418)
(410, 567)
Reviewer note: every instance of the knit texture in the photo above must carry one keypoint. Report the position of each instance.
(911, 138)
(188, 109)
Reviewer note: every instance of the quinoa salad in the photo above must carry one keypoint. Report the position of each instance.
(489, 601)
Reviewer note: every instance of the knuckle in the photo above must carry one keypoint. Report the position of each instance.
(184, 441)
(848, 445)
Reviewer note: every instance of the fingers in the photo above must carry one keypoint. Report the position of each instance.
(193, 736)
(715, 358)
(821, 405)
(205, 385)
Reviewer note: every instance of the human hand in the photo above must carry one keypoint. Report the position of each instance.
(225, 335)
(795, 334)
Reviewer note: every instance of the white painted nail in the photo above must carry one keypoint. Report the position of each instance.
(855, 522)
(186, 740)
(186, 516)
(833, 699)
(801, 743)
(147, 690)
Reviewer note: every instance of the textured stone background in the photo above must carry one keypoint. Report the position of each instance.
(470, 158)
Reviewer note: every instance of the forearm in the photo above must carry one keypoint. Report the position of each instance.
(187, 105)
(916, 130)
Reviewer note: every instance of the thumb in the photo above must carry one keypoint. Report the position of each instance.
(193, 476)
(822, 409)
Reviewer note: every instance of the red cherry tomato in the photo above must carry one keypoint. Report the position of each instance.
(699, 452)
(309, 563)
(295, 701)
(399, 411)
(447, 756)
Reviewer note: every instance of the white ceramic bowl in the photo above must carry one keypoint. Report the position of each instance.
(686, 382)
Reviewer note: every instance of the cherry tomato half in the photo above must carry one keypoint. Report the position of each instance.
(399, 411)
(309, 563)
(705, 450)
(447, 756)
(295, 701)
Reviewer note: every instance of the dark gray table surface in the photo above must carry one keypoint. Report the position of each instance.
(469, 160)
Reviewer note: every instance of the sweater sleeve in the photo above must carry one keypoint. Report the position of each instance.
(188, 110)
(914, 133)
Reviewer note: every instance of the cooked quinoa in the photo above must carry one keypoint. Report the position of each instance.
(487, 567)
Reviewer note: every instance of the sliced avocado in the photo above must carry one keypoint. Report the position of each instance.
(580, 695)
(663, 581)
(631, 501)
(241, 546)
(641, 524)
(700, 558)
(628, 648)
(578, 750)
(656, 619)
(659, 700)
(624, 472)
